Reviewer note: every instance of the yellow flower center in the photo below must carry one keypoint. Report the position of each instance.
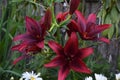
(32, 78)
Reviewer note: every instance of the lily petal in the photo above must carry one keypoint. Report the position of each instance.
(73, 27)
(31, 25)
(41, 44)
(85, 52)
(56, 47)
(104, 40)
(71, 46)
(18, 59)
(57, 61)
(81, 21)
(99, 29)
(19, 47)
(61, 16)
(63, 72)
(80, 66)
(22, 37)
(91, 18)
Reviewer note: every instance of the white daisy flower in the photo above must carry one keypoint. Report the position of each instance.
(117, 76)
(12, 78)
(89, 78)
(100, 77)
(30, 76)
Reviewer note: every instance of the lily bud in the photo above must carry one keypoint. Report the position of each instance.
(73, 6)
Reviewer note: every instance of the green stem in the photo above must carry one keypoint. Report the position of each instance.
(73, 74)
(53, 18)
(69, 16)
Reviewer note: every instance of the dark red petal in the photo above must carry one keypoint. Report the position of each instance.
(57, 61)
(104, 40)
(32, 26)
(80, 66)
(91, 18)
(33, 48)
(73, 6)
(99, 29)
(61, 16)
(22, 37)
(41, 44)
(19, 47)
(48, 19)
(90, 27)
(18, 59)
(56, 47)
(73, 27)
(85, 52)
(71, 46)
(81, 21)
(63, 72)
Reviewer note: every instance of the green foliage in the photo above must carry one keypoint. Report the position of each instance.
(110, 14)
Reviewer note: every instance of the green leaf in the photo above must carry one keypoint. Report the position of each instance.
(114, 14)
(116, 29)
(12, 72)
(107, 4)
(107, 21)
(17, 0)
(59, 1)
(111, 32)
(118, 5)
(103, 15)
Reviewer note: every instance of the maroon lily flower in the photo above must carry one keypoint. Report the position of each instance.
(88, 29)
(72, 27)
(33, 39)
(61, 16)
(69, 57)
(73, 6)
